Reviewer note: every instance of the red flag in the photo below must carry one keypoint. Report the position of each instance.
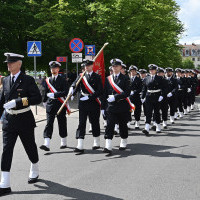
(99, 66)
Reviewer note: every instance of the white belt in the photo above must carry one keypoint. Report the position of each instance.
(180, 89)
(16, 112)
(153, 91)
(84, 94)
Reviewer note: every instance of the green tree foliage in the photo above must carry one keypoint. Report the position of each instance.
(188, 64)
(139, 32)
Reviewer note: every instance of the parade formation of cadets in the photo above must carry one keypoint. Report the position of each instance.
(159, 93)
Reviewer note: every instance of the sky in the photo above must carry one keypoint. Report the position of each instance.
(190, 16)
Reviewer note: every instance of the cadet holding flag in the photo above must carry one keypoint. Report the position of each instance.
(91, 89)
(19, 92)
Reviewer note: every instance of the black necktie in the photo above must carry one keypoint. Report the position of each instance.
(12, 81)
(54, 81)
(88, 76)
(115, 80)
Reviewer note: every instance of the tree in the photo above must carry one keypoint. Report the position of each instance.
(139, 32)
(188, 64)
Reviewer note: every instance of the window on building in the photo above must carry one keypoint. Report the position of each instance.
(193, 59)
(198, 59)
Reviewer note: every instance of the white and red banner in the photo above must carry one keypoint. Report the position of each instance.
(119, 91)
(99, 66)
(61, 99)
(89, 88)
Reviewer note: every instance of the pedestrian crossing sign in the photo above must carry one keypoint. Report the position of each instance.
(34, 48)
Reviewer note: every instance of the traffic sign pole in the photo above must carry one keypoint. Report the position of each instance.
(77, 69)
(35, 79)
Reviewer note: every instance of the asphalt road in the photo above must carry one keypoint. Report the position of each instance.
(165, 166)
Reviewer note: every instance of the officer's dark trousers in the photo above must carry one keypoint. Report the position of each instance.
(185, 99)
(164, 109)
(9, 139)
(94, 120)
(192, 97)
(112, 119)
(62, 125)
(172, 105)
(138, 110)
(180, 100)
(189, 98)
(144, 108)
(152, 106)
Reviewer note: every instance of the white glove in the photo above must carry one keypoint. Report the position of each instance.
(72, 98)
(143, 100)
(169, 94)
(160, 98)
(84, 98)
(71, 91)
(50, 95)
(103, 112)
(45, 104)
(189, 90)
(111, 98)
(10, 104)
(179, 86)
(132, 92)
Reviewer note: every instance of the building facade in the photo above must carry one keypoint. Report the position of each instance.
(192, 52)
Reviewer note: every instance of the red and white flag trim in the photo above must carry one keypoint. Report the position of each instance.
(119, 91)
(89, 88)
(61, 99)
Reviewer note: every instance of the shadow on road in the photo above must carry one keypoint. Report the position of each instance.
(148, 150)
(58, 189)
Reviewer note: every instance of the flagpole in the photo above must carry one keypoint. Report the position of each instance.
(69, 96)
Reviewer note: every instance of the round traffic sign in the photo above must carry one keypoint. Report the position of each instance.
(76, 45)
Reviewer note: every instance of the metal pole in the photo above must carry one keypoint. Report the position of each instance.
(35, 79)
(77, 69)
(66, 68)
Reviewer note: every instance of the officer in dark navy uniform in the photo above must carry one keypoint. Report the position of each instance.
(136, 89)
(152, 95)
(118, 109)
(52, 105)
(19, 92)
(171, 93)
(194, 88)
(189, 90)
(182, 85)
(89, 105)
(143, 74)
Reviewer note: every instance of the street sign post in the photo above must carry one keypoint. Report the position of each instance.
(77, 58)
(34, 49)
(76, 45)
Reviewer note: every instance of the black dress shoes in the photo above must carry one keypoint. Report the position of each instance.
(105, 150)
(76, 150)
(5, 191)
(33, 180)
(45, 148)
(63, 147)
(122, 148)
(145, 132)
(95, 147)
